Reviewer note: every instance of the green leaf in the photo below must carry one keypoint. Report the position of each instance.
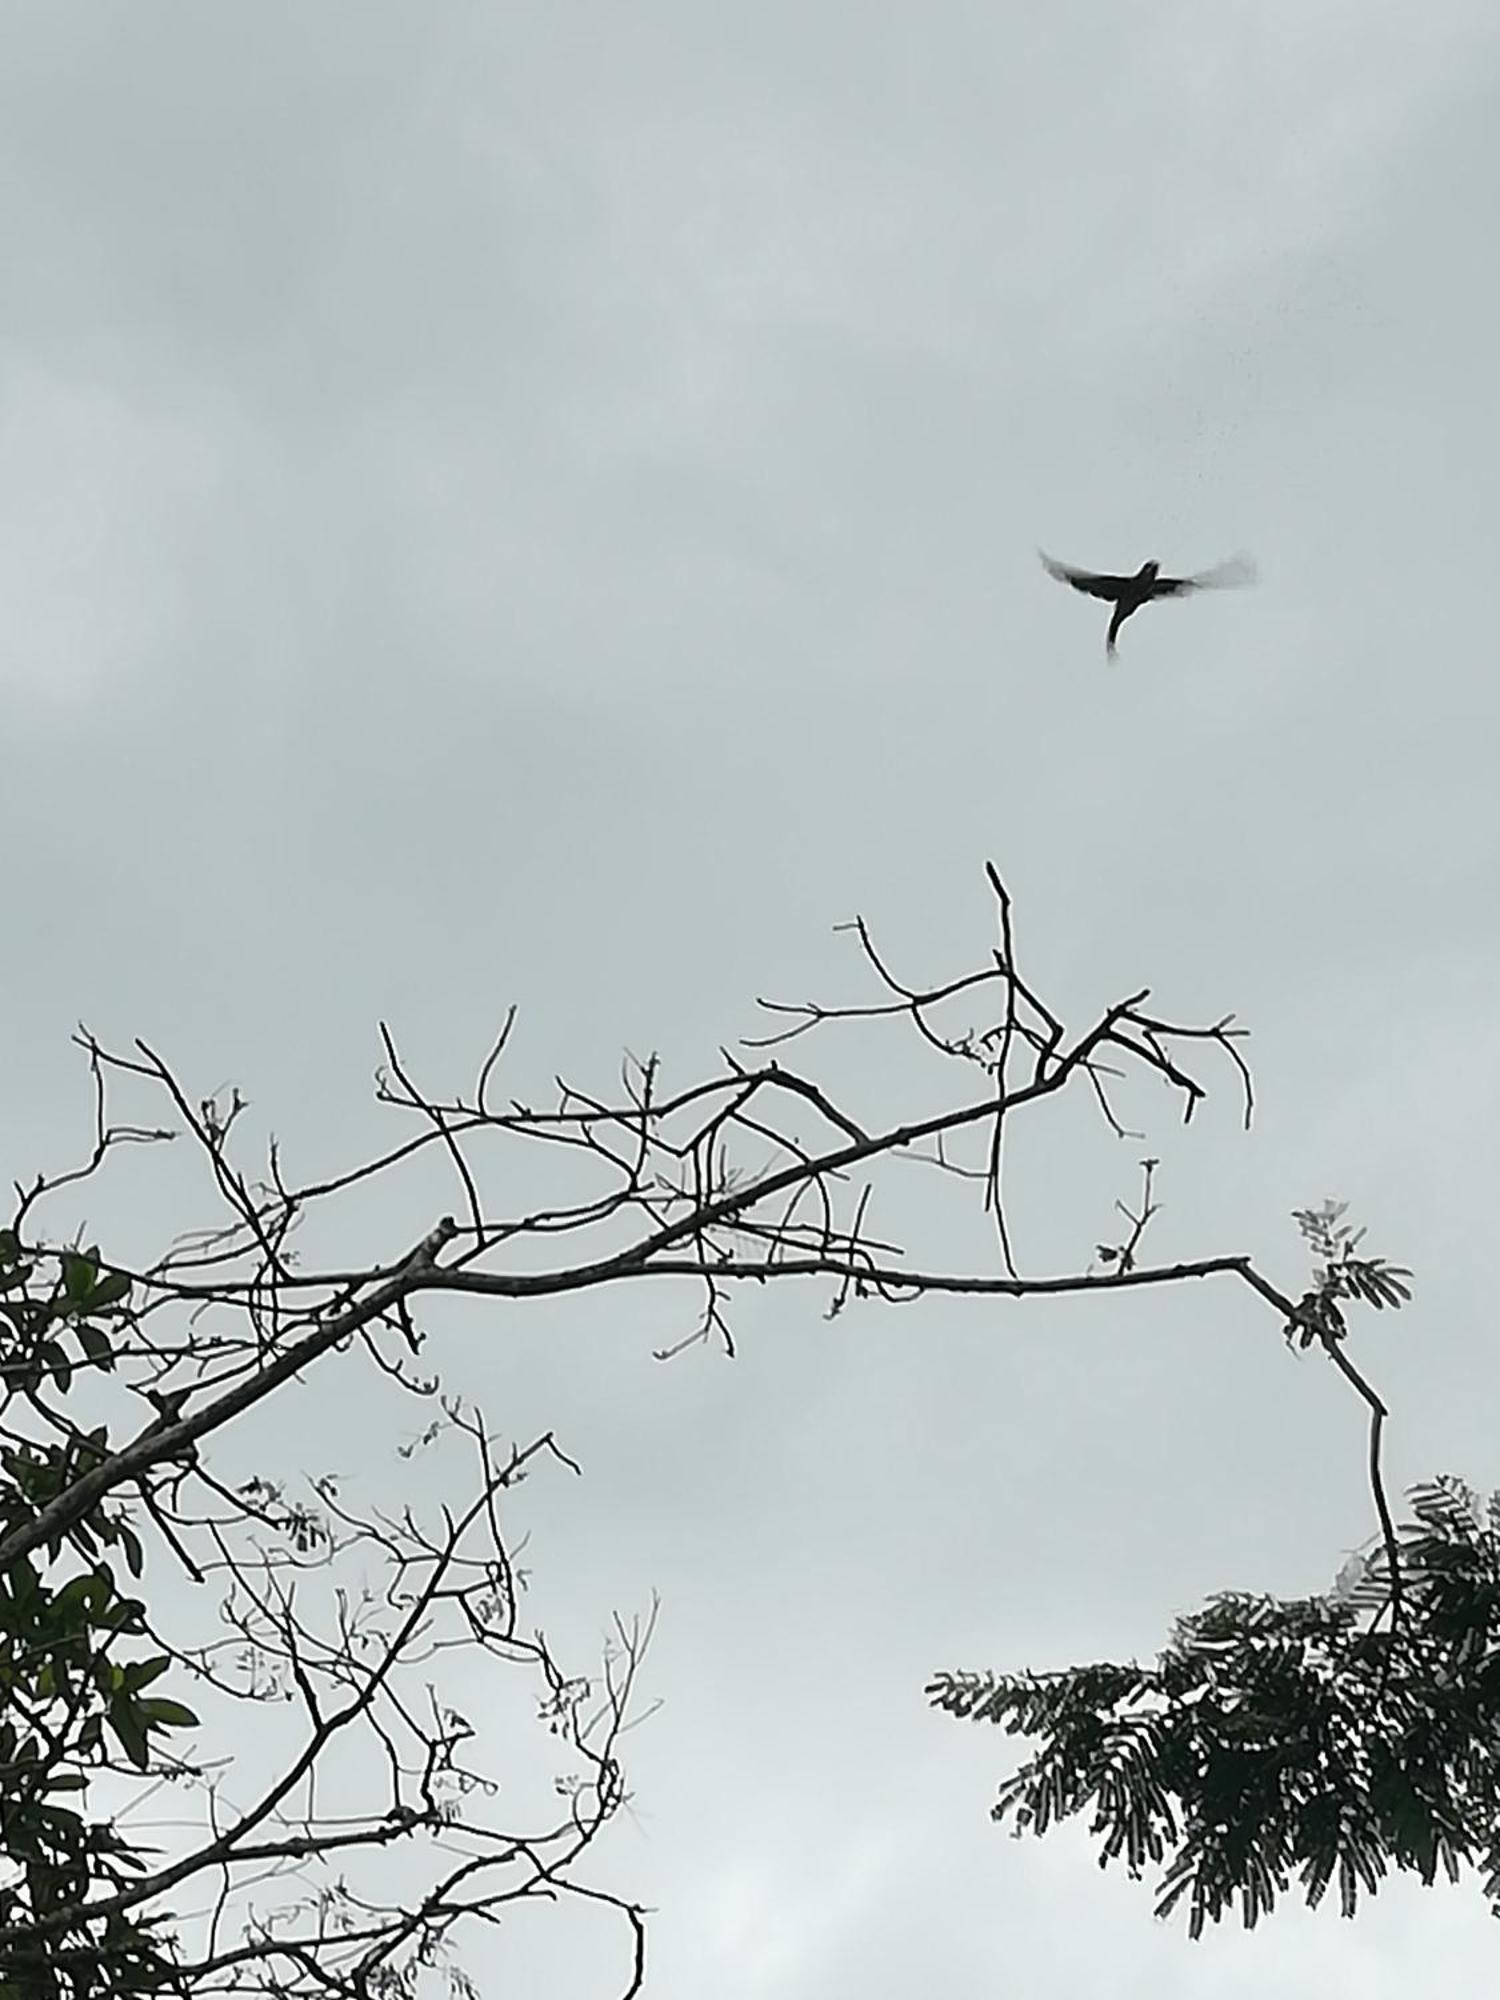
(57, 1364)
(79, 1276)
(141, 1673)
(96, 1344)
(167, 1714)
(90, 1592)
(108, 1292)
(129, 1726)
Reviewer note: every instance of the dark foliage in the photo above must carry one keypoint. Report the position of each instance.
(1280, 1741)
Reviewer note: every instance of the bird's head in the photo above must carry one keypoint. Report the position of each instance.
(1149, 571)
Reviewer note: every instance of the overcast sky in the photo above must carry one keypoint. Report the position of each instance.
(540, 504)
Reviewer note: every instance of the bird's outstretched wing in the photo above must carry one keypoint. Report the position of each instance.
(1223, 576)
(1089, 581)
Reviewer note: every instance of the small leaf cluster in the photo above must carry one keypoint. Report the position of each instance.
(50, 1305)
(1340, 1275)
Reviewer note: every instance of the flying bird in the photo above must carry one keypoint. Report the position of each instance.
(1129, 593)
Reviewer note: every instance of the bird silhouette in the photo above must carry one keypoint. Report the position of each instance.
(1129, 593)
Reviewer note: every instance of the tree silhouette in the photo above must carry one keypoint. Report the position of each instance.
(275, 1658)
(1279, 1740)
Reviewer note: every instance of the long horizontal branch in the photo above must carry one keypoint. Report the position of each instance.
(162, 1442)
(879, 1277)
